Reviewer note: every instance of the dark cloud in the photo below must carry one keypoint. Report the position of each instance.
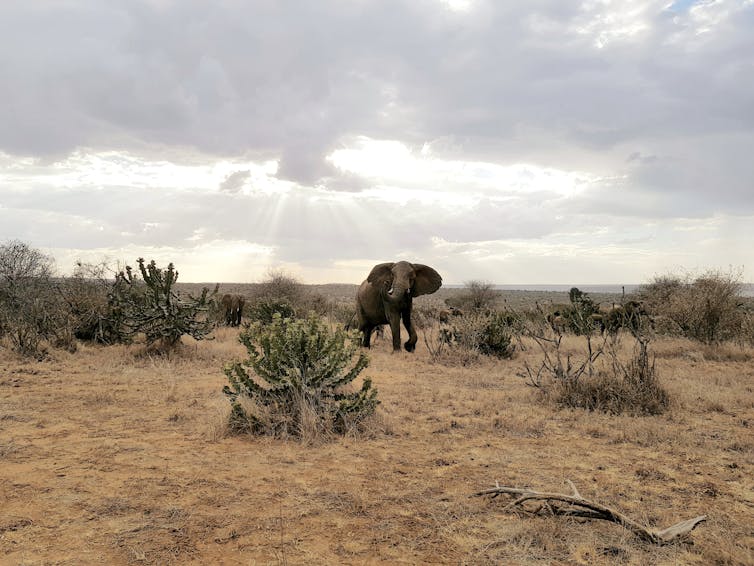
(235, 181)
(292, 80)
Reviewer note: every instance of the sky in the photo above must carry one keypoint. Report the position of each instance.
(538, 142)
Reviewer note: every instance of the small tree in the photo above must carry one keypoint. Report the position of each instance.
(151, 305)
(477, 296)
(300, 373)
(704, 308)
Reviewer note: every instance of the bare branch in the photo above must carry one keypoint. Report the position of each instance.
(577, 506)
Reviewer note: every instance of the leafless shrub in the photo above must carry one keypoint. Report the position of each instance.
(597, 378)
(342, 314)
(424, 316)
(85, 294)
(32, 315)
(554, 362)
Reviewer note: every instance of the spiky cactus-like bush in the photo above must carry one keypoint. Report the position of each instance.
(152, 306)
(296, 379)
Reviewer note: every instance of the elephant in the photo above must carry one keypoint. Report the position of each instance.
(386, 297)
(445, 314)
(557, 321)
(232, 308)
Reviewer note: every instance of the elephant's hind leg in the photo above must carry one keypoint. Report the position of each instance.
(366, 339)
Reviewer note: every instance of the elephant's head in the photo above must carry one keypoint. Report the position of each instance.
(403, 280)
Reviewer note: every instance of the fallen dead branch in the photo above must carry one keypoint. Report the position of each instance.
(577, 506)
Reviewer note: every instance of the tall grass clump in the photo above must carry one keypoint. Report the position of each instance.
(296, 380)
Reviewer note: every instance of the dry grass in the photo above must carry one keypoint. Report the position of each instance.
(112, 456)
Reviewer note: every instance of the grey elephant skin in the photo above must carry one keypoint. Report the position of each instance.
(387, 295)
(232, 307)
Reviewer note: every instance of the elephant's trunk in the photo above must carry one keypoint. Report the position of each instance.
(397, 292)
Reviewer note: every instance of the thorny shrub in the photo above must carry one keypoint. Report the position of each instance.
(86, 295)
(32, 314)
(296, 380)
(589, 381)
(472, 335)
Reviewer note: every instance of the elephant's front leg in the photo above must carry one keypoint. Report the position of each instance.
(395, 328)
(410, 345)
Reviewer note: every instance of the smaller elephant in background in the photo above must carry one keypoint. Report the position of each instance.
(445, 314)
(232, 308)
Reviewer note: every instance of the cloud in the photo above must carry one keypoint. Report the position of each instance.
(235, 181)
(331, 133)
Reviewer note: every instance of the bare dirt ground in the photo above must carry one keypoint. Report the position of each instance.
(110, 456)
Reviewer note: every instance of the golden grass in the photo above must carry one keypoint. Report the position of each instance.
(110, 455)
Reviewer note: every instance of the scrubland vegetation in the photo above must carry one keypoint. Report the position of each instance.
(135, 427)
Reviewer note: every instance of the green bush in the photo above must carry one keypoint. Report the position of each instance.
(496, 337)
(265, 310)
(489, 334)
(580, 314)
(298, 383)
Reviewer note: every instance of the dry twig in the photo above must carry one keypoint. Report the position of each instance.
(577, 506)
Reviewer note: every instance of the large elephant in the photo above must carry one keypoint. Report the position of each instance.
(232, 308)
(386, 297)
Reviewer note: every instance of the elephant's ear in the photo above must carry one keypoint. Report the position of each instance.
(380, 272)
(427, 280)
